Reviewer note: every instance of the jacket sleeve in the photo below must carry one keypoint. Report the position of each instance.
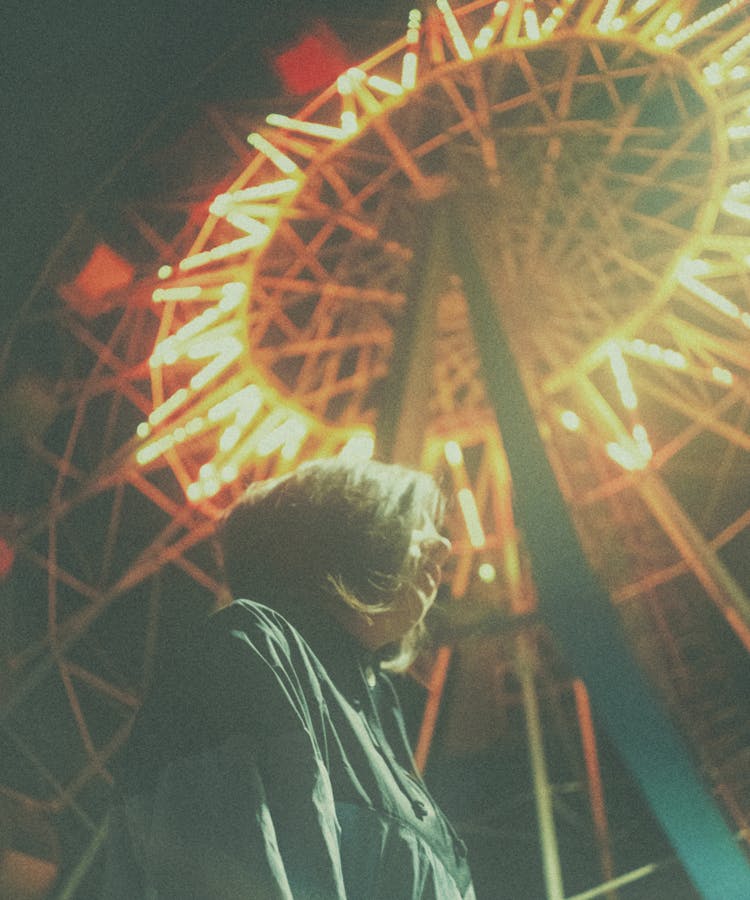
(233, 798)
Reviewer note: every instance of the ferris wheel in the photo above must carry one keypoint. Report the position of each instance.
(300, 292)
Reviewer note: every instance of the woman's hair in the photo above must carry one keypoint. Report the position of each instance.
(332, 528)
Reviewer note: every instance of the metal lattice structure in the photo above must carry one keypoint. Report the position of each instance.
(596, 153)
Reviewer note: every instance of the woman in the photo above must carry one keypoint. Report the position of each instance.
(272, 761)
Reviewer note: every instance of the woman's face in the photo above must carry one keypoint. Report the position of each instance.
(428, 550)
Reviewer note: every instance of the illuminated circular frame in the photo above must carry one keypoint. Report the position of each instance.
(220, 411)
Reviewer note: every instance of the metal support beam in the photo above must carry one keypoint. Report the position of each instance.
(404, 413)
(576, 606)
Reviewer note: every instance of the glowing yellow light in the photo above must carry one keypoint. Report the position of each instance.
(688, 267)
(412, 30)
(143, 430)
(737, 49)
(738, 132)
(164, 272)
(256, 231)
(453, 453)
(484, 38)
(216, 366)
(385, 85)
(740, 188)
(229, 438)
(262, 191)
(179, 434)
(194, 491)
(349, 122)
(458, 38)
(643, 5)
(640, 436)
(487, 34)
(487, 573)
(282, 162)
(673, 21)
(232, 294)
(722, 376)
(736, 208)
(211, 486)
(570, 420)
(409, 70)
(168, 407)
(222, 251)
(247, 402)
(623, 457)
(531, 23)
(471, 518)
(167, 295)
(287, 436)
(737, 73)
(709, 295)
(154, 450)
(709, 19)
(359, 448)
(552, 20)
(622, 376)
(611, 8)
(195, 426)
(655, 353)
(314, 129)
(713, 74)
(229, 473)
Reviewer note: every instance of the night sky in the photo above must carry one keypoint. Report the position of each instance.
(84, 81)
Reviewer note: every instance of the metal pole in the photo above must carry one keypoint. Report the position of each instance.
(542, 789)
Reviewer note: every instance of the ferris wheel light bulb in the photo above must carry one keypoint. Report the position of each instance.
(487, 573)
(570, 420)
(229, 473)
(409, 71)
(468, 504)
(453, 453)
(194, 492)
(360, 447)
(229, 438)
(282, 162)
(722, 376)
